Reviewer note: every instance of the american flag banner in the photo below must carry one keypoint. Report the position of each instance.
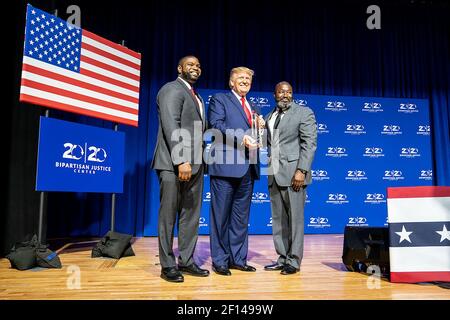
(419, 234)
(67, 68)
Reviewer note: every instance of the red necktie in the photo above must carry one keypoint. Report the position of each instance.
(194, 93)
(247, 112)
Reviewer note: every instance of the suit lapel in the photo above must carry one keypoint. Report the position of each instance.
(284, 121)
(269, 133)
(238, 105)
(194, 100)
(203, 112)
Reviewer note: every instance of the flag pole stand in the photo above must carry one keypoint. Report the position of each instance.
(43, 194)
(113, 196)
(42, 203)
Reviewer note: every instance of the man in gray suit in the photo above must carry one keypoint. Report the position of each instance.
(292, 142)
(178, 161)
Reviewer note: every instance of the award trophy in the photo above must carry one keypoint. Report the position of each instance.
(256, 130)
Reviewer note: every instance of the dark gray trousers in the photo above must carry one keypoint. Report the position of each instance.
(288, 223)
(182, 200)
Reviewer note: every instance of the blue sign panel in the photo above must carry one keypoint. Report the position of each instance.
(79, 158)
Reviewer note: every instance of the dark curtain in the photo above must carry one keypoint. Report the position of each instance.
(320, 47)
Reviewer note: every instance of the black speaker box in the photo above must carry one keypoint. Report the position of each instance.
(364, 247)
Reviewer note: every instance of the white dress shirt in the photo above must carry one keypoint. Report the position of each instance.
(247, 105)
(199, 101)
(271, 122)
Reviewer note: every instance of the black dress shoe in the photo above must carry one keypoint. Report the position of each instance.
(172, 275)
(224, 271)
(246, 268)
(274, 267)
(288, 269)
(194, 270)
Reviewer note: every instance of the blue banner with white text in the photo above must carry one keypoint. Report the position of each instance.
(79, 158)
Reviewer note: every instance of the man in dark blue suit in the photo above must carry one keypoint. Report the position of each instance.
(233, 167)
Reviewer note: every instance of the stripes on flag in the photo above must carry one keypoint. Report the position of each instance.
(419, 234)
(74, 70)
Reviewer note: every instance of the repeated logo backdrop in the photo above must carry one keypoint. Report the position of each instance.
(364, 146)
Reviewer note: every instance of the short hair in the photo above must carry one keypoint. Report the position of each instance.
(281, 83)
(181, 61)
(246, 70)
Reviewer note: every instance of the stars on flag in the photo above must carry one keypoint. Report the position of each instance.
(404, 235)
(53, 34)
(445, 234)
(55, 75)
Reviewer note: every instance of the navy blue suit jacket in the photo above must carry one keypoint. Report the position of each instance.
(225, 112)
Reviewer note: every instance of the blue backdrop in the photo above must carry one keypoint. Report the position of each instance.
(365, 145)
(321, 48)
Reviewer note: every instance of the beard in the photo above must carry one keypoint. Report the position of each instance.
(187, 76)
(283, 105)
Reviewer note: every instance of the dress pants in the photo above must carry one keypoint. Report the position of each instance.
(288, 223)
(182, 200)
(230, 209)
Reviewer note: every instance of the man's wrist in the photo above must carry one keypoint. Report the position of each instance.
(303, 171)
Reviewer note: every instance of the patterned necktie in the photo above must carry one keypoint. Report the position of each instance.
(247, 112)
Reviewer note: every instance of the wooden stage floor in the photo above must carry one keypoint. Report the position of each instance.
(322, 276)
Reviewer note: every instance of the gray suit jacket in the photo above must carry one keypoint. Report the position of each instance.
(295, 146)
(178, 109)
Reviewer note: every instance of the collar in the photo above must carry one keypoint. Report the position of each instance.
(238, 96)
(188, 85)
